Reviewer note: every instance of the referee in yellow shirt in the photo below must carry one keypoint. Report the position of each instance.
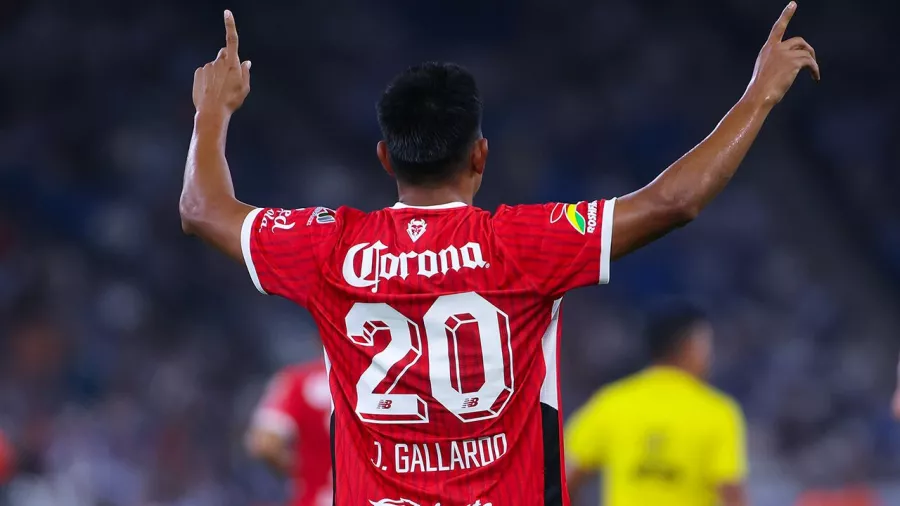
(663, 436)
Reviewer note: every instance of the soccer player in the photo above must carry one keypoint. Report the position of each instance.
(439, 320)
(290, 432)
(663, 436)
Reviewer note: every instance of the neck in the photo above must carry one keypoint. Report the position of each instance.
(423, 197)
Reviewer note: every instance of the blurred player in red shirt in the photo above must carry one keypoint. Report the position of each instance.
(7, 459)
(441, 321)
(290, 432)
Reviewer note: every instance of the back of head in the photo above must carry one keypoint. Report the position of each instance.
(429, 116)
(670, 327)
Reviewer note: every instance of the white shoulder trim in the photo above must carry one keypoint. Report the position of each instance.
(246, 231)
(606, 231)
(448, 205)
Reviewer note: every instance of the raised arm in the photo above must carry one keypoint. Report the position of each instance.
(208, 206)
(677, 195)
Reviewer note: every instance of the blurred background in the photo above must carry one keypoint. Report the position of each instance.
(131, 356)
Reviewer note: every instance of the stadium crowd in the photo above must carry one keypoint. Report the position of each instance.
(132, 356)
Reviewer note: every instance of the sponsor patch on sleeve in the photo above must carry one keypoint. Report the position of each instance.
(322, 216)
(277, 219)
(574, 218)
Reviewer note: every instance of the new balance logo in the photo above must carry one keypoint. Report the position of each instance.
(471, 402)
(386, 404)
(375, 264)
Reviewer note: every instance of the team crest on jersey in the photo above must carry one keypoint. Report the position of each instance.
(322, 216)
(415, 228)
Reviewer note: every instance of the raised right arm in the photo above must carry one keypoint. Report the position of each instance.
(678, 195)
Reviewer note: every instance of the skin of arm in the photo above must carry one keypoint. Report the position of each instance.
(677, 195)
(576, 478)
(733, 494)
(209, 209)
(208, 206)
(270, 448)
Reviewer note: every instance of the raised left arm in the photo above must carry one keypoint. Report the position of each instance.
(208, 206)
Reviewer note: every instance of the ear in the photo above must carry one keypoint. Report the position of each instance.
(384, 157)
(479, 155)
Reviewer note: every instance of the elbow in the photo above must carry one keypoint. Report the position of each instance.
(191, 215)
(684, 212)
(678, 210)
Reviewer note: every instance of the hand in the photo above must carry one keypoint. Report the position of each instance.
(221, 86)
(780, 61)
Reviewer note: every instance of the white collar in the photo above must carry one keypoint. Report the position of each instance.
(448, 205)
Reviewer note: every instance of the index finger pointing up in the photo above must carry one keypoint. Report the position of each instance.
(231, 36)
(780, 25)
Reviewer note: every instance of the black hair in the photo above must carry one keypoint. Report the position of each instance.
(669, 325)
(429, 116)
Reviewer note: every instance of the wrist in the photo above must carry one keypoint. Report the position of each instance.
(211, 118)
(758, 99)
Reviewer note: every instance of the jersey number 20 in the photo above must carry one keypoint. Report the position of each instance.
(443, 323)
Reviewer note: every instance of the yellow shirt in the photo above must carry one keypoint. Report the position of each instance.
(662, 438)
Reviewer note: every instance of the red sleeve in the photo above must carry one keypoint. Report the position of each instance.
(279, 410)
(281, 248)
(561, 246)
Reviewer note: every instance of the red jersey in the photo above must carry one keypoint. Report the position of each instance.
(440, 327)
(297, 406)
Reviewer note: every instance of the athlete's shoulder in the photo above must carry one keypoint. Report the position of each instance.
(282, 227)
(507, 211)
(289, 377)
(721, 402)
(606, 403)
(322, 215)
(620, 390)
(556, 217)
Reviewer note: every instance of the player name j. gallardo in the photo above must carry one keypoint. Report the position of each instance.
(439, 456)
